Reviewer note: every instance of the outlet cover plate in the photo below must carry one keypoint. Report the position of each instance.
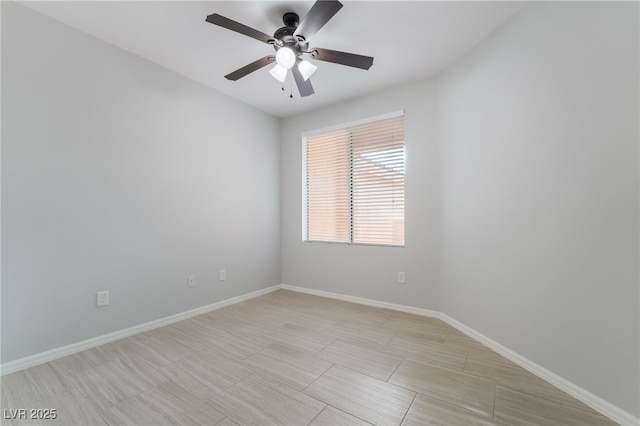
(102, 298)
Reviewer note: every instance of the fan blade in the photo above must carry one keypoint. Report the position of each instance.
(320, 13)
(248, 69)
(304, 87)
(238, 27)
(342, 58)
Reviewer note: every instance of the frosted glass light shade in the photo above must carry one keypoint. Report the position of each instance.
(279, 73)
(285, 57)
(306, 69)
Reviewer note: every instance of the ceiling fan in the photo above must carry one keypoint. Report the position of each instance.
(291, 42)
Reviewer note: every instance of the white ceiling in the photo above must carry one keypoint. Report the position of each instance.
(408, 39)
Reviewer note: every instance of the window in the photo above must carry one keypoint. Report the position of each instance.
(354, 182)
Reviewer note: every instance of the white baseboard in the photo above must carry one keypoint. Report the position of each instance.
(33, 360)
(604, 407)
(363, 301)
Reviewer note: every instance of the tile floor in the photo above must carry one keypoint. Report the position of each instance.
(288, 358)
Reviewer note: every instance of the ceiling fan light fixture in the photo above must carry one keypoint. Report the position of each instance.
(279, 73)
(286, 57)
(290, 43)
(306, 69)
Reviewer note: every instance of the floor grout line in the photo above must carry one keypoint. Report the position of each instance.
(409, 409)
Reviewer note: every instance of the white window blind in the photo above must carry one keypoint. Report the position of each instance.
(354, 183)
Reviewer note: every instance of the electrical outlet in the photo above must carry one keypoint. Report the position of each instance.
(191, 280)
(223, 274)
(401, 277)
(102, 298)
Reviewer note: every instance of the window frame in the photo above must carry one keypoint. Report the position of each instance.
(346, 126)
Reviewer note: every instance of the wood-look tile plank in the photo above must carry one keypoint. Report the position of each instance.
(215, 337)
(520, 408)
(458, 339)
(114, 416)
(184, 337)
(255, 401)
(488, 364)
(271, 382)
(227, 366)
(135, 411)
(364, 358)
(362, 396)
(84, 360)
(255, 316)
(73, 409)
(119, 350)
(309, 319)
(161, 351)
(235, 344)
(331, 416)
(113, 351)
(363, 331)
(26, 388)
(366, 313)
(295, 367)
(324, 311)
(300, 336)
(247, 322)
(455, 387)
(429, 352)
(206, 373)
(169, 403)
(418, 328)
(430, 412)
(114, 382)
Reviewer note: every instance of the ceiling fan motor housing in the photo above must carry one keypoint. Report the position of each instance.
(286, 34)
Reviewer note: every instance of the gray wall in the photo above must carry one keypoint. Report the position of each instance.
(120, 175)
(370, 271)
(540, 189)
